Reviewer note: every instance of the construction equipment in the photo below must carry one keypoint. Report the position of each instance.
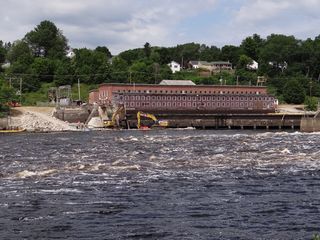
(157, 123)
(114, 122)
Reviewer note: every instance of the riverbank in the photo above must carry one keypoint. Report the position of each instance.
(38, 119)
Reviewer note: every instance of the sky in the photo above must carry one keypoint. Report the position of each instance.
(126, 24)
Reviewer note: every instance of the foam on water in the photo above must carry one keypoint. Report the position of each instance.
(186, 184)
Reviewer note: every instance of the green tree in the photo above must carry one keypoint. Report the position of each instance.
(43, 68)
(209, 53)
(47, 40)
(243, 62)
(147, 49)
(20, 52)
(91, 66)
(188, 52)
(120, 72)
(64, 73)
(140, 73)
(311, 103)
(278, 53)
(251, 45)
(3, 53)
(132, 55)
(104, 50)
(230, 53)
(164, 55)
(7, 94)
(293, 92)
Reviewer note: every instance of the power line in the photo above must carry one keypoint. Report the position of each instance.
(79, 75)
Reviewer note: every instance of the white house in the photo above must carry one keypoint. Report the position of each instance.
(174, 66)
(71, 54)
(194, 64)
(253, 66)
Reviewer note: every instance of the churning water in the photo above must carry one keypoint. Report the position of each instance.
(165, 184)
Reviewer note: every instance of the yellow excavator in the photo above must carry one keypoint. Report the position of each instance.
(114, 122)
(157, 123)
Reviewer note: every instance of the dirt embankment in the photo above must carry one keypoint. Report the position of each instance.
(38, 119)
(290, 108)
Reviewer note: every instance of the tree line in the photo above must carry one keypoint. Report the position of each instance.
(290, 65)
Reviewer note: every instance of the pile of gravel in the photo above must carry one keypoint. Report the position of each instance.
(32, 121)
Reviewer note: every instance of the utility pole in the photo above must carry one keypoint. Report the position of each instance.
(130, 77)
(310, 83)
(79, 89)
(237, 80)
(20, 90)
(182, 62)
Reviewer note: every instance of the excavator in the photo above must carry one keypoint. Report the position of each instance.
(114, 122)
(157, 123)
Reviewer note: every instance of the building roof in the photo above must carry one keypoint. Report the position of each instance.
(177, 82)
(174, 62)
(194, 62)
(205, 63)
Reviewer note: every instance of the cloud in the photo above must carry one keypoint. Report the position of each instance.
(118, 24)
(298, 18)
(126, 24)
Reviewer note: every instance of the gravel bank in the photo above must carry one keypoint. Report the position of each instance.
(39, 119)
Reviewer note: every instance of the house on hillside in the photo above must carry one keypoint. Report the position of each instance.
(71, 54)
(212, 67)
(253, 66)
(174, 66)
(194, 64)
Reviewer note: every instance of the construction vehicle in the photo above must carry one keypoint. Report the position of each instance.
(157, 123)
(114, 121)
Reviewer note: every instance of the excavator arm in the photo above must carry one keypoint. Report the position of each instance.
(140, 114)
(113, 122)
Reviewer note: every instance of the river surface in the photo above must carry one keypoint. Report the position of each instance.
(166, 184)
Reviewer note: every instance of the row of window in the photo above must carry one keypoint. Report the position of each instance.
(191, 91)
(195, 105)
(194, 98)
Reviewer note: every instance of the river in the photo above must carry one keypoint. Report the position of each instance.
(162, 184)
